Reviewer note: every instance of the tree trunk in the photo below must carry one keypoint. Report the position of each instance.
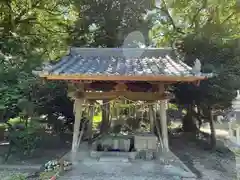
(188, 122)
(212, 127)
(26, 122)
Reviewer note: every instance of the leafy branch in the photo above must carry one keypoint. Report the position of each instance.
(165, 9)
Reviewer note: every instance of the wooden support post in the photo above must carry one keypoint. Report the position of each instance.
(230, 133)
(238, 135)
(105, 116)
(151, 118)
(91, 116)
(78, 116)
(164, 127)
(135, 112)
(157, 125)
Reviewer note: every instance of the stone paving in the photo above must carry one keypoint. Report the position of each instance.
(139, 170)
(167, 167)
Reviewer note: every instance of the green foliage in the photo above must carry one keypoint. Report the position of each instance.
(18, 177)
(219, 58)
(106, 23)
(178, 19)
(51, 98)
(49, 174)
(31, 32)
(236, 152)
(207, 30)
(35, 30)
(41, 25)
(25, 141)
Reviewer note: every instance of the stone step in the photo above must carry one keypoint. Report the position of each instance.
(116, 154)
(113, 159)
(98, 154)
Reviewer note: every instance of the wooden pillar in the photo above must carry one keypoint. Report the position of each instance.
(164, 130)
(151, 118)
(157, 125)
(78, 116)
(91, 116)
(105, 116)
(230, 133)
(238, 135)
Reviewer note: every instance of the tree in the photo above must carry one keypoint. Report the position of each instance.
(209, 31)
(40, 22)
(106, 23)
(176, 19)
(217, 92)
(31, 31)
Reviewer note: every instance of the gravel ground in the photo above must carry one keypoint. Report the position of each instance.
(207, 165)
(115, 177)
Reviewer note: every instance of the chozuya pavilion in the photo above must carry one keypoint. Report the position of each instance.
(112, 73)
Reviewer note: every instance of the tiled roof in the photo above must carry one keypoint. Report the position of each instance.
(116, 61)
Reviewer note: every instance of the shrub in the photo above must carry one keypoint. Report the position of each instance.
(18, 177)
(48, 174)
(26, 139)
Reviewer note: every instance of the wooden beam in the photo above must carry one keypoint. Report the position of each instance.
(75, 90)
(197, 83)
(141, 96)
(121, 87)
(149, 78)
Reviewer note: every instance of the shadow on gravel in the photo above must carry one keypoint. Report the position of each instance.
(190, 151)
(189, 163)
